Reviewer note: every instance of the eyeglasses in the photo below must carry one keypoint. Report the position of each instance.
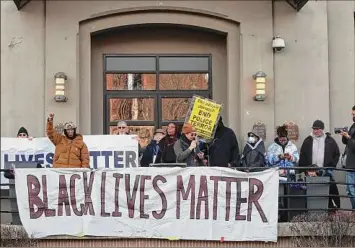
(121, 127)
(22, 135)
(193, 134)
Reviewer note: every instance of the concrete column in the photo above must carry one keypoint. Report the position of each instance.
(341, 61)
(85, 77)
(233, 81)
(301, 70)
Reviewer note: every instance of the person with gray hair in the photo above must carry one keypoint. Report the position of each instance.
(122, 128)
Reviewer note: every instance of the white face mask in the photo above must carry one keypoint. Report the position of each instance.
(251, 140)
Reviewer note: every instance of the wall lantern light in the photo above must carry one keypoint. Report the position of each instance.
(260, 81)
(60, 81)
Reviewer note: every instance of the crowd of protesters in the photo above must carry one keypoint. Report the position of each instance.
(182, 145)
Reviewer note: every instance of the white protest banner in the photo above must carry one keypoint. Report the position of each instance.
(199, 203)
(106, 151)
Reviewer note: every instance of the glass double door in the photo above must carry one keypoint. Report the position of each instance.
(148, 92)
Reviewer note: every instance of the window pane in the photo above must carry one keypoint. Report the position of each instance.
(129, 81)
(183, 81)
(130, 64)
(145, 133)
(141, 109)
(174, 109)
(183, 63)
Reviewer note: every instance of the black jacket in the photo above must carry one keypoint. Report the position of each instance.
(350, 148)
(167, 153)
(224, 148)
(331, 152)
(148, 155)
(253, 155)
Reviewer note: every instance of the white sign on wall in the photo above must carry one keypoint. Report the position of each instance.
(106, 151)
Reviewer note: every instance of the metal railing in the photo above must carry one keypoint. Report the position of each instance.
(295, 193)
(300, 193)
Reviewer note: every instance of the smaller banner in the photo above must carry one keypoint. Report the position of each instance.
(203, 116)
(209, 203)
(106, 151)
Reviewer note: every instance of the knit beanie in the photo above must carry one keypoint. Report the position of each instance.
(318, 124)
(187, 128)
(69, 125)
(22, 130)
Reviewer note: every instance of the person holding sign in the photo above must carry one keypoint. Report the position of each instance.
(22, 134)
(186, 148)
(224, 149)
(70, 149)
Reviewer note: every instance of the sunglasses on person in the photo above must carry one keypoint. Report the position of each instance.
(22, 135)
(121, 127)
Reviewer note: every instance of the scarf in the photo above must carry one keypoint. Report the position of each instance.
(168, 141)
(318, 150)
(185, 140)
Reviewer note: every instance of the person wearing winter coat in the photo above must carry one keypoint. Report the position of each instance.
(166, 145)
(321, 150)
(348, 139)
(152, 153)
(186, 148)
(224, 150)
(70, 149)
(282, 153)
(254, 153)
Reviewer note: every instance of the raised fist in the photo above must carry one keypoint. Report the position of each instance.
(51, 116)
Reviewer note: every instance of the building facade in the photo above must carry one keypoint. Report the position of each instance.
(142, 61)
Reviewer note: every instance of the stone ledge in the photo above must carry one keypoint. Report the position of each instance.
(284, 231)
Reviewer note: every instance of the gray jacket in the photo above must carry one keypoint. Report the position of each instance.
(185, 155)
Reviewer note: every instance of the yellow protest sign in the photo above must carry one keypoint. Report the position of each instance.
(203, 116)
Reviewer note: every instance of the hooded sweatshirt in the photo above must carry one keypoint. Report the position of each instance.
(224, 148)
(254, 154)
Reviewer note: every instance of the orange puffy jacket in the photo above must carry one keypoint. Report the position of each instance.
(68, 153)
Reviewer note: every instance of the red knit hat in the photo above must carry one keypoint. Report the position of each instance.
(188, 128)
